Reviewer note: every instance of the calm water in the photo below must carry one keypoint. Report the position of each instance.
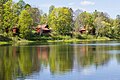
(60, 61)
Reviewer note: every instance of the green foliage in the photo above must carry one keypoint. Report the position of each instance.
(97, 23)
(27, 6)
(21, 5)
(116, 27)
(60, 20)
(25, 22)
(43, 19)
(35, 14)
(77, 24)
(102, 25)
(15, 12)
(8, 15)
(51, 8)
(2, 2)
(86, 20)
(59, 37)
(77, 35)
(3, 38)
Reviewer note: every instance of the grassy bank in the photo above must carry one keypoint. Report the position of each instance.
(5, 43)
(43, 40)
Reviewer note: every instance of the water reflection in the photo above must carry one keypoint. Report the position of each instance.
(61, 59)
(24, 61)
(88, 56)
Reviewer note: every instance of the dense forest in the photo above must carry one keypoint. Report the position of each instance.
(64, 22)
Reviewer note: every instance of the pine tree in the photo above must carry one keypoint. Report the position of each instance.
(8, 16)
(1, 13)
(25, 22)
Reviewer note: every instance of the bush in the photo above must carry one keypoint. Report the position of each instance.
(86, 36)
(77, 35)
(26, 35)
(60, 37)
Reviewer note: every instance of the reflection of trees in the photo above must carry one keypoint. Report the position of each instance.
(118, 58)
(117, 52)
(8, 64)
(61, 59)
(31, 59)
(22, 61)
(88, 55)
(25, 60)
(17, 61)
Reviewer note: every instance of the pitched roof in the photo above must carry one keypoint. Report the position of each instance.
(82, 29)
(43, 27)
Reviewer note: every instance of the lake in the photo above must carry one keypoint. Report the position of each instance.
(95, 60)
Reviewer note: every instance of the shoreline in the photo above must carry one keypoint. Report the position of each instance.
(52, 41)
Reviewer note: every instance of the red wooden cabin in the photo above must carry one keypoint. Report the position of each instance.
(82, 30)
(42, 29)
(15, 31)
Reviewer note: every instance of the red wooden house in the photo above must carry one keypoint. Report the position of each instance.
(82, 30)
(42, 29)
(15, 31)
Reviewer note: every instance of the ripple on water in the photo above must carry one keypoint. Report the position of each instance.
(98, 44)
(114, 52)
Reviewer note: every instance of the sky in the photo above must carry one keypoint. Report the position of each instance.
(112, 7)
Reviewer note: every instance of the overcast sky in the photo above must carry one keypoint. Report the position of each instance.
(112, 7)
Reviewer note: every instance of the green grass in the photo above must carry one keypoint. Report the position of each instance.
(4, 43)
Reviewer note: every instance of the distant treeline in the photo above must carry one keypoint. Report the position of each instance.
(62, 21)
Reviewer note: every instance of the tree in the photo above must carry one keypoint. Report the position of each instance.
(34, 13)
(102, 24)
(77, 13)
(2, 2)
(86, 20)
(116, 27)
(51, 8)
(60, 20)
(8, 16)
(77, 24)
(27, 6)
(21, 6)
(25, 22)
(1, 13)
(43, 19)
(15, 12)
(35, 16)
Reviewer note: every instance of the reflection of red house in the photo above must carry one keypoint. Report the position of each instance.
(14, 51)
(42, 29)
(43, 53)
